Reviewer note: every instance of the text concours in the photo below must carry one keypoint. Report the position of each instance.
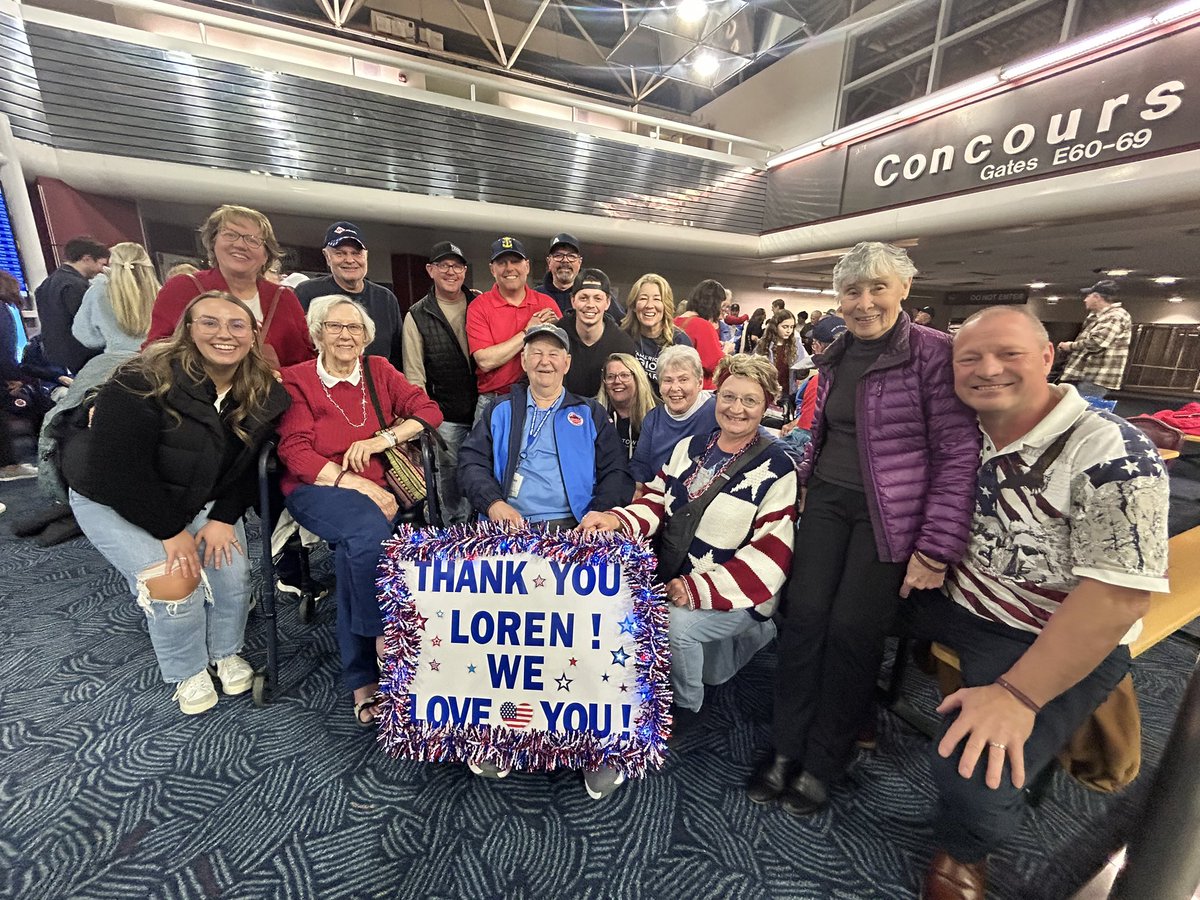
(522, 648)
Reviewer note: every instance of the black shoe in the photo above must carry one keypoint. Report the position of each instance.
(34, 522)
(770, 778)
(59, 532)
(804, 795)
(685, 721)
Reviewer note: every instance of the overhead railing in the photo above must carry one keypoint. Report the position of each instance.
(476, 82)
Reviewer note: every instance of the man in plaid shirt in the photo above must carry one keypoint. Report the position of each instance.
(1096, 363)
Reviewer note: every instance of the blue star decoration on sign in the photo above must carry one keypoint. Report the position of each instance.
(604, 677)
(471, 669)
(564, 683)
(628, 626)
(619, 657)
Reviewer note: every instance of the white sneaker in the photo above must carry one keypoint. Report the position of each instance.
(485, 769)
(196, 694)
(602, 782)
(17, 471)
(3, 509)
(235, 674)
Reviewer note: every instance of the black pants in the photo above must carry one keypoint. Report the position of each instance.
(973, 819)
(840, 607)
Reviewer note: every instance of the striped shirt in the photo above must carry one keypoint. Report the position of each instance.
(1084, 494)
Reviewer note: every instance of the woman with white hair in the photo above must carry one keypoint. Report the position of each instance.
(687, 411)
(890, 480)
(332, 441)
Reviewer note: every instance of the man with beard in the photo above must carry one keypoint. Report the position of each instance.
(563, 262)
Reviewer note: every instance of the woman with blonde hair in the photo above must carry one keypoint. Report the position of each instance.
(627, 395)
(651, 322)
(115, 313)
(241, 248)
(161, 480)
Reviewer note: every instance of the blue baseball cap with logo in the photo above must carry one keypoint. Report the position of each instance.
(341, 232)
(828, 329)
(506, 244)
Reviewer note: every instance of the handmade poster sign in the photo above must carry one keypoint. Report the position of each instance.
(528, 649)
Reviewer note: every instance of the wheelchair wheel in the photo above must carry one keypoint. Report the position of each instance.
(258, 689)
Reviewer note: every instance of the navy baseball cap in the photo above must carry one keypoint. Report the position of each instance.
(828, 329)
(340, 232)
(548, 330)
(506, 244)
(565, 240)
(592, 279)
(441, 250)
(1103, 288)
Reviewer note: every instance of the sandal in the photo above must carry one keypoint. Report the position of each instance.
(367, 705)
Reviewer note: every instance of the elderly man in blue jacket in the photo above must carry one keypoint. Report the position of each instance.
(542, 454)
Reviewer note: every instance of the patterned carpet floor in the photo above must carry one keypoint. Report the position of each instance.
(106, 791)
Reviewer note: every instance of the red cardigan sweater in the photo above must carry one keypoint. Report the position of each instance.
(289, 331)
(314, 432)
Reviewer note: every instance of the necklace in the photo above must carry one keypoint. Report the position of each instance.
(700, 467)
(362, 383)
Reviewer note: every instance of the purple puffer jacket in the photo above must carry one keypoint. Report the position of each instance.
(918, 445)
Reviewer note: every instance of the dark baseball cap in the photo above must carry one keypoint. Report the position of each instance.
(340, 232)
(828, 329)
(565, 240)
(506, 244)
(441, 250)
(549, 330)
(591, 279)
(1103, 288)
(926, 309)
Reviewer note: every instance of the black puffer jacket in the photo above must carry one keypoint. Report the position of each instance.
(158, 473)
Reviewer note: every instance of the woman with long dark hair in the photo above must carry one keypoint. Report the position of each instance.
(782, 347)
(162, 477)
(699, 322)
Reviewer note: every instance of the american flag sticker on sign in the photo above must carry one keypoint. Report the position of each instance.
(516, 715)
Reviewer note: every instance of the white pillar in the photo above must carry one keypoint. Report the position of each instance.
(20, 210)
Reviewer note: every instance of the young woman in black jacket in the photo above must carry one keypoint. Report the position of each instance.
(161, 479)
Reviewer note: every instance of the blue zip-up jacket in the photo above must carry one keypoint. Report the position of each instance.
(592, 461)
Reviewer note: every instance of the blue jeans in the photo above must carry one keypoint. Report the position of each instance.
(355, 528)
(973, 819)
(691, 629)
(455, 507)
(187, 634)
(1090, 389)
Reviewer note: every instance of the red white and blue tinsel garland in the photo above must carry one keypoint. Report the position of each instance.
(402, 736)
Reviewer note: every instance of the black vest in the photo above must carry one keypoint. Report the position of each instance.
(449, 375)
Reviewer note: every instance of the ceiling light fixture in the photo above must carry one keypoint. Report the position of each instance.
(796, 289)
(1166, 279)
(706, 64)
(691, 10)
(1174, 299)
(1117, 273)
(1178, 11)
(1037, 285)
(1052, 299)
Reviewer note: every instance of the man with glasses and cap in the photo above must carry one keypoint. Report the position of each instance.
(497, 319)
(563, 262)
(345, 251)
(593, 335)
(543, 454)
(437, 359)
(1096, 359)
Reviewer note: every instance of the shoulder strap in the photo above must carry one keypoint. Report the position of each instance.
(366, 368)
(269, 314)
(200, 289)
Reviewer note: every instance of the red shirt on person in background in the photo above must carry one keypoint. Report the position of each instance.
(707, 343)
(493, 320)
(288, 333)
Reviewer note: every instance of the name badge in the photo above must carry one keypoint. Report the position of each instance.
(515, 489)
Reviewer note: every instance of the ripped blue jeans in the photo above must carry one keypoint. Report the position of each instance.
(187, 634)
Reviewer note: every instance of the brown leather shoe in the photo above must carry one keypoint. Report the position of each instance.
(949, 879)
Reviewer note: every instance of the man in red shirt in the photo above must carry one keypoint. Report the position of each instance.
(497, 319)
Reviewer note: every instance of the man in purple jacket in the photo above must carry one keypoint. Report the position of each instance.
(1068, 540)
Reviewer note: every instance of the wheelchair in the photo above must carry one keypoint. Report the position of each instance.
(428, 512)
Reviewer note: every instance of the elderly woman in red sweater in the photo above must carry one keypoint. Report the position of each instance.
(332, 442)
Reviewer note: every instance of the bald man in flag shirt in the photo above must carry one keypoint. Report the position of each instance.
(1068, 541)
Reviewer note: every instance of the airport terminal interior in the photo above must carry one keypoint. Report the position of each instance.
(1020, 151)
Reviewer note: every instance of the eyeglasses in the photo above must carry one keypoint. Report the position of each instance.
(253, 241)
(747, 402)
(619, 376)
(565, 257)
(450, 268)
(209, 325)
(355, 328)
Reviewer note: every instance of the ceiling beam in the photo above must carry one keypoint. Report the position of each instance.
(537, 17)
(478, 32)
(487, 5)
(600, 53)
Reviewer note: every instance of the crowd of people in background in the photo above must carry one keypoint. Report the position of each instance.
(568, 406)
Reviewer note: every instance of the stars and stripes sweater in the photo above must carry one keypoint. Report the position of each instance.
(742, 551)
